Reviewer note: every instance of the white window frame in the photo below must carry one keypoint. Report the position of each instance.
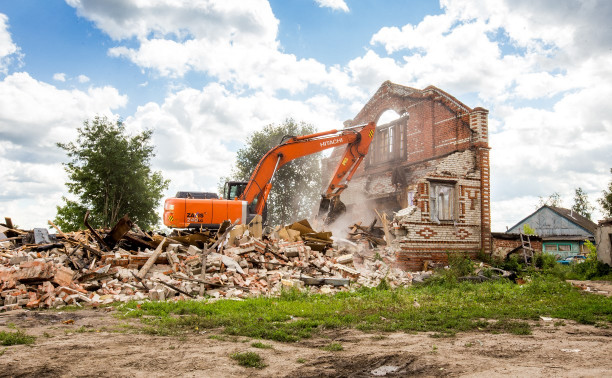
(442, 198)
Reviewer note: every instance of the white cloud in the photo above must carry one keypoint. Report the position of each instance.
(234, 41)
(59, 77)
(8, 49)
(83, 79)
(196, 133)
(35, 116)
(333, 4)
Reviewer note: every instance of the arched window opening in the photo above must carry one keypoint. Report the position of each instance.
(390, 139)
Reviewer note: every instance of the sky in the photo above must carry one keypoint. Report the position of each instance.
(204, 74)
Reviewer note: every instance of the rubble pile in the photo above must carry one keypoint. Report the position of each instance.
(43, 270)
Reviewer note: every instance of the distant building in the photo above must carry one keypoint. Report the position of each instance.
(563, 231)
(603, 237)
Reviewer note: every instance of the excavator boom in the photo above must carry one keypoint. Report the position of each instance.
(253, 198)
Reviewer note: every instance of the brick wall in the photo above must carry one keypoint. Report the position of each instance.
(446, 141)
(502, 245)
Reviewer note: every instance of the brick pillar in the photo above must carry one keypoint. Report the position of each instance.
(479, 122)
(485, 201)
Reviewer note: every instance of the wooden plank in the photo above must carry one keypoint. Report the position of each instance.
(147, 266)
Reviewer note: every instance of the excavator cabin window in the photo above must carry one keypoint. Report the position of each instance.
(233, 189)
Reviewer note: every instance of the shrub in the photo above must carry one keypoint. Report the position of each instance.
(513, 263)
(545, 261)
(460, 264)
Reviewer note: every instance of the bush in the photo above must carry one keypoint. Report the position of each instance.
(460, 264)
(514, 263)
(545, 261)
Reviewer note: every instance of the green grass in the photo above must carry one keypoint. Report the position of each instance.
(15, 338)
(445, 309)
(249, 359)
(333, 347)
(261, 345)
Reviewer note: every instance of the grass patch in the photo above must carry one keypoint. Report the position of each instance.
(249, 359)
(300, 360)
(83, 329)
(333, 347)
(261, 345)
(446, 307)
(15, 338)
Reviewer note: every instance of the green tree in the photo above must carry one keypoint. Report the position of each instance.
(582, 205)
(528, 230)
(296, 186)
(606, 200)
(553, 200)
(110, 174)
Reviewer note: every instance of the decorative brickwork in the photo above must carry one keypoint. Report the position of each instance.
(440, 170)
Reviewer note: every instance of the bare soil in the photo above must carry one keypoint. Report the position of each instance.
(94, 342)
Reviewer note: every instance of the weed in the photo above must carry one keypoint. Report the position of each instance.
(300, 360)
(383, 284)
(559, 323)
(468, 345)
(483, 256)
(378, 337)
(249, 359)
(333, 347)
(172, 347)
(15, 338)
(47, 335)
(11, 325)
(511, 326)
(83, 329)
(439, 335)
(261, 345)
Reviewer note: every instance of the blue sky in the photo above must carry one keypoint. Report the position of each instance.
(203, 74)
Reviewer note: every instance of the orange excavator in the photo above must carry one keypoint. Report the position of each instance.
(244, 200)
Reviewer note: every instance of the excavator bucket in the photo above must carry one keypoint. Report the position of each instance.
(331, 209)
(323, 207)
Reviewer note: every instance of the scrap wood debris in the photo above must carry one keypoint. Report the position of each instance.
(43, 270)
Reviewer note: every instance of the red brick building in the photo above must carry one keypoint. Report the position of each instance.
(433, 162)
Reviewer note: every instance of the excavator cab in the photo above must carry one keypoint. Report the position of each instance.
(233, 189)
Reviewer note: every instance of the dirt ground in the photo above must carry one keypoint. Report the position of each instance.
(94, 342)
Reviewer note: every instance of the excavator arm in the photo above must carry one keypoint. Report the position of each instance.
(357, 140)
